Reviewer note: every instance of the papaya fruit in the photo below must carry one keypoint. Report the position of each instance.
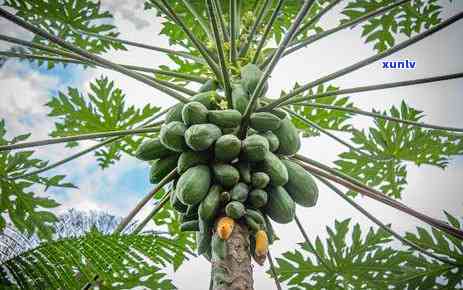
(258, 198)
(208, 99)
(172, 136)
(301, 186)
(224, 227)
(235, 210)
(252, 224)
(176, 203)
(226, 174)
(227, 148)
(219, 248)
(210, 206)
(239, 192)
(152, 149)
(270, 231)
(264, 121)
(209, 85)
(201, 137)
(189, 159)
(245, 171)
(174, 114)
(275, 169)
(203, 237)
(280, 206)
(250, 76)
(272, 139)
(224, 197)
(193, 185)
(260, 180)
(240, 97)
(255, 147)
(257, 216)
(288, 135)
(190, 226)
(194, 113)
(261, 243)
(225, 118)
(161, 167)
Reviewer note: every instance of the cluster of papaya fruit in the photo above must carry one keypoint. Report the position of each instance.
(224, 179)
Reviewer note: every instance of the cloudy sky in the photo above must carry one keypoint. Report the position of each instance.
(25, 89)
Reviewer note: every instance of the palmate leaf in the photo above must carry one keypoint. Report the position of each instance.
(171, 219)
(357, 260)
(17, 200)
(120, 261)
(406, 20)
(62, 15)
(104, 109)
(327, 119)
(396, 144)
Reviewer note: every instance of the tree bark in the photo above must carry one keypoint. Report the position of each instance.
(231, 266)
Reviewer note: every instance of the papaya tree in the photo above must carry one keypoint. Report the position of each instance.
(225, 160)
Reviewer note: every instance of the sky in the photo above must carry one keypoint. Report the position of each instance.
(25, 89)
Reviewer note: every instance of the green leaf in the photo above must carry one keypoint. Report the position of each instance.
(405, 20)
(397, 144)
(17, 201)
(368, 260)
(61, 16)
(103, 109)
(327, 119)
(120, 261)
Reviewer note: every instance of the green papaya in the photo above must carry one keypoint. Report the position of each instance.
(209, 85)
(210, 206)
(245, 171)
(235, 210)
(189, 159)
(252, 224)
(203, 237)
(208, 99)
(272, 139)
(258, 198)
(193, 185)
(275, 169)
(152, 149)
(288, 135)
(176, 203)
(161, 167)
(194, 113)
(264, 121)
(240, 98)
(257, 216)
(172, 136)
(226, 174)
(239, 192)
(174, 114)
(201, 137)
(225, 118)
(227, 148)
(250, 76)
(219, 248)
(260, 180)
(255, 147)
(301, 186)
(190, 226)
(280, 206)
(224, 197)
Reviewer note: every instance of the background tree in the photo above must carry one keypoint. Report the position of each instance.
(218, 38)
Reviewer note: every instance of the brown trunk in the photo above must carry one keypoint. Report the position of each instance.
(233, 270)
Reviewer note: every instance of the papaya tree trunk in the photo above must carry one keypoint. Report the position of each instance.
(231, 261)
